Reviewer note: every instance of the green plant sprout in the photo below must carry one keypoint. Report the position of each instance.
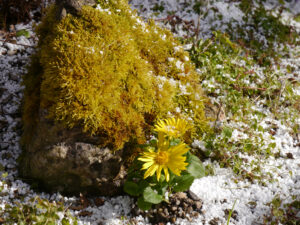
(230, 213)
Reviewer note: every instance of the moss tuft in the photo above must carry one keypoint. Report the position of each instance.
(110, 73)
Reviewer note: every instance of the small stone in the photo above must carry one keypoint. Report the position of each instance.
(234, 213)
(181, 214)
(166, 212)
(224, 201)
(85, 213)
(3, 123)
(4, 145)
(195, 214)
(174, 208)
(173, 219)
(189, 201)
(181, 195)
(190, 209)
(7, 99)
(12, 28)
(12, 52)
(14, 76)
(99, 202)
(193, 196)
(198, 205)
(3, 51)
(214, 221)
(185, 206)
(7, 155)
(289, 155)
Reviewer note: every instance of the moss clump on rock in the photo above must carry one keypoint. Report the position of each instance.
(111, 74)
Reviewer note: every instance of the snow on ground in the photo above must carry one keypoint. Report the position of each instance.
(219, 192)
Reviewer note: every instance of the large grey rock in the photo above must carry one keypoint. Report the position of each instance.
(69, 161)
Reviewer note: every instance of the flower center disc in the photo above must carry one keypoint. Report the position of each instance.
(162, 158)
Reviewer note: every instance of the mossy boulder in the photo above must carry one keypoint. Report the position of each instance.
(108, 75)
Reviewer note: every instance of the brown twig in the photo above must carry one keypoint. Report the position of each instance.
(249, 88)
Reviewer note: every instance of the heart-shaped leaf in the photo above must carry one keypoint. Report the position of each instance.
(151, 196)
(196, 168)
(183, 183)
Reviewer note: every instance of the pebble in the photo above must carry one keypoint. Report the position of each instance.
(14, 77)
(12, 52)
(3, 51)
(193, 196)
(180, 206)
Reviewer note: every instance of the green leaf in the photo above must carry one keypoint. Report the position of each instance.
(175, 142)
(153, 142)
(1, 167)
(131, 188)
(272, 145)
(297, 18)
(65, 221)
(196, 168)
(227, 132)
(40, 219)
(152, 197)
(142, 185)
(51, 223)
(142, 204)
(4, 175)
(23, 32)
(183, 183)
(75, 221)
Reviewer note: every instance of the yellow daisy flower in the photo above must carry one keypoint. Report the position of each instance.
(172, 127)
(170, 159)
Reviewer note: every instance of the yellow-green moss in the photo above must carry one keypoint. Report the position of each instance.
(111, 73)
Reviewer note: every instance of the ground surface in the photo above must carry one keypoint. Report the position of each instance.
(252, 78)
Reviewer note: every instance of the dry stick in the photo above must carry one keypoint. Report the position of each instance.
(170, 17)
(249, 88)
(218, 115)
(206, 47)
(197, 30)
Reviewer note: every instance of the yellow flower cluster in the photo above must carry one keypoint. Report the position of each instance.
(166, 158)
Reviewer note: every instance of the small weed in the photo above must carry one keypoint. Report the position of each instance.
(283, 213)
(231, 77)
(230, 212)
(38, 211)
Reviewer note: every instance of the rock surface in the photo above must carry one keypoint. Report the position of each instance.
(69, 161)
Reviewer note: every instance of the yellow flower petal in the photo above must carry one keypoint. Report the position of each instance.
(165, 159)
(151, 171)
(179, 149)
(147, 165)
(158, 172)
(167, 175)
(145, 159)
